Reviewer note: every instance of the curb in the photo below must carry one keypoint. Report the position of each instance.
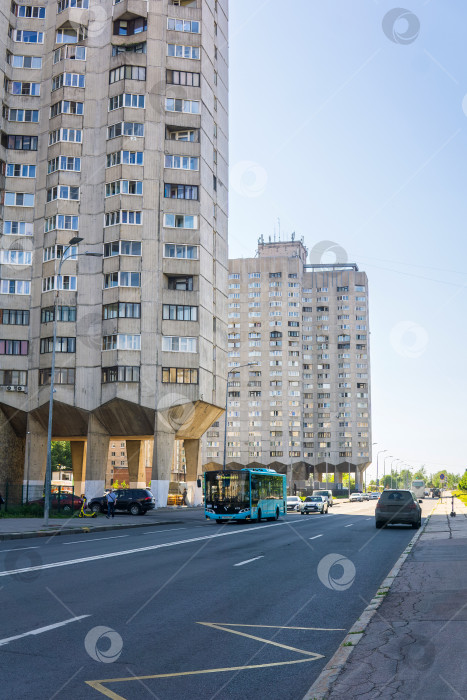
(328, 676)
(78, 530)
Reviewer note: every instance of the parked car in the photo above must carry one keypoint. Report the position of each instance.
(314, 504)
(356, 497)
(374, 495)
(327, 494)
(134, 501)
(398, 506)
(65, 504)
(435, 493)
(293, 503)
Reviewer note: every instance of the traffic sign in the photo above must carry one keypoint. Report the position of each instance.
(442, 477)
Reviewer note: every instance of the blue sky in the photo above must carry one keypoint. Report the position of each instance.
(345, 135)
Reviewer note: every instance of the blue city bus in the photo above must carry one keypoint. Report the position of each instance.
(244, 494)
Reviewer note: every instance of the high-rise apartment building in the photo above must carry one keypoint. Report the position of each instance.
(113, 136)
(303, 404)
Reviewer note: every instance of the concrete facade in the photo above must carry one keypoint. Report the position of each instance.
(123, 144)
(304, 409)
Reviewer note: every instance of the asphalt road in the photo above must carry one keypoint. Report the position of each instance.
(180, 611)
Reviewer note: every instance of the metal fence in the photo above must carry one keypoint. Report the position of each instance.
(17, 494)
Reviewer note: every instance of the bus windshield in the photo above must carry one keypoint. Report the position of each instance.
(228, 488)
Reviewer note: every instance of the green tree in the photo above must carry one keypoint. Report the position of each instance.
(61, 454)
(421, 473)
(463, 482)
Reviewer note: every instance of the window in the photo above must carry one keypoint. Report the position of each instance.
(14, 347)
(181, 251)
(77, 53)
(65, 314)
(175, 134)
(122, 248)
(125, 129)
(64, 163)
(18, 199)
(130, 48)
(129, 27)
(181, 77)
(121, 342)
(173, 104)
(66, 35)
(67, 135)
(120, 374)
(66, 107)
(173, 343)
(62, 222)
(15, 286)
(176, 312)
(123, 187)
(127, 73)
(22, 143)
(183, 25)
(24, 61)
(13, 377)
(16, 257)
(23, 115)
(126, 100)
(68, 80)
(55, 252)
(122, 279)
(64, 282)
(62, 192)
(181, 191)
(29, 11)
(63, 375)
(17, 228)
(180, 221)
(62, 345)
(183, 284)
(125, 157)
(121, 310)
(179, 51)
(26, 36)
(179, 375)
(14, 317)
(65, 4)
(181, 162)
(122, 216)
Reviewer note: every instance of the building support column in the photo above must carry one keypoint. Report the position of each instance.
(35, 460)
(193, 472)
(289, 480)
(97, 450)
(78, 462)
(136, 468)
(164, 443)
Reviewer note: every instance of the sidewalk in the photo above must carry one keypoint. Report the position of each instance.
(23, 528)
(414, 646)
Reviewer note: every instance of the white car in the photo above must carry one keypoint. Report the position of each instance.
(293, 503)
(366, 496)
(356, 497)
(374, 495)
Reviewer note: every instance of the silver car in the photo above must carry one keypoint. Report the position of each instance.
(314, 504)
(293, 503)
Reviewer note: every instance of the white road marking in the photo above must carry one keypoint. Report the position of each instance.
(247, 561)
(348, 525)
(172, 529)
(315, 537)
(17, 549)
(97, 539)
(40, 630)
(99, 557)
(369, 518)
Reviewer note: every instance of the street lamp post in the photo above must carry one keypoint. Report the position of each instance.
(48, 470)
(377, 465)
(384, 466)
(248, 364)
(396, 459)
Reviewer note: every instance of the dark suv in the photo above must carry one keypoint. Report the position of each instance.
(134, 501)
(398, 506)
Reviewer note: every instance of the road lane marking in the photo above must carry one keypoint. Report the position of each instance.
(109, 555)
(247, 561)
(161, 532)
(17, 549)
(348, 525)
(369, 518)
(315, 537)
(40, 630)
(96, 539)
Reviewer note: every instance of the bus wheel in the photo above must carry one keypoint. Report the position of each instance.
(218, 521)
(258, 519)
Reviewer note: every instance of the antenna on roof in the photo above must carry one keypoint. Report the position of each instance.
(279, 222)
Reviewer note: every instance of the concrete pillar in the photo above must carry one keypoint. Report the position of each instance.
(193, 471)
(289, 480)
(164, 443)
(97, 450)
(11, 461)
(136, 468)
(78, 462)
(35, 459)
